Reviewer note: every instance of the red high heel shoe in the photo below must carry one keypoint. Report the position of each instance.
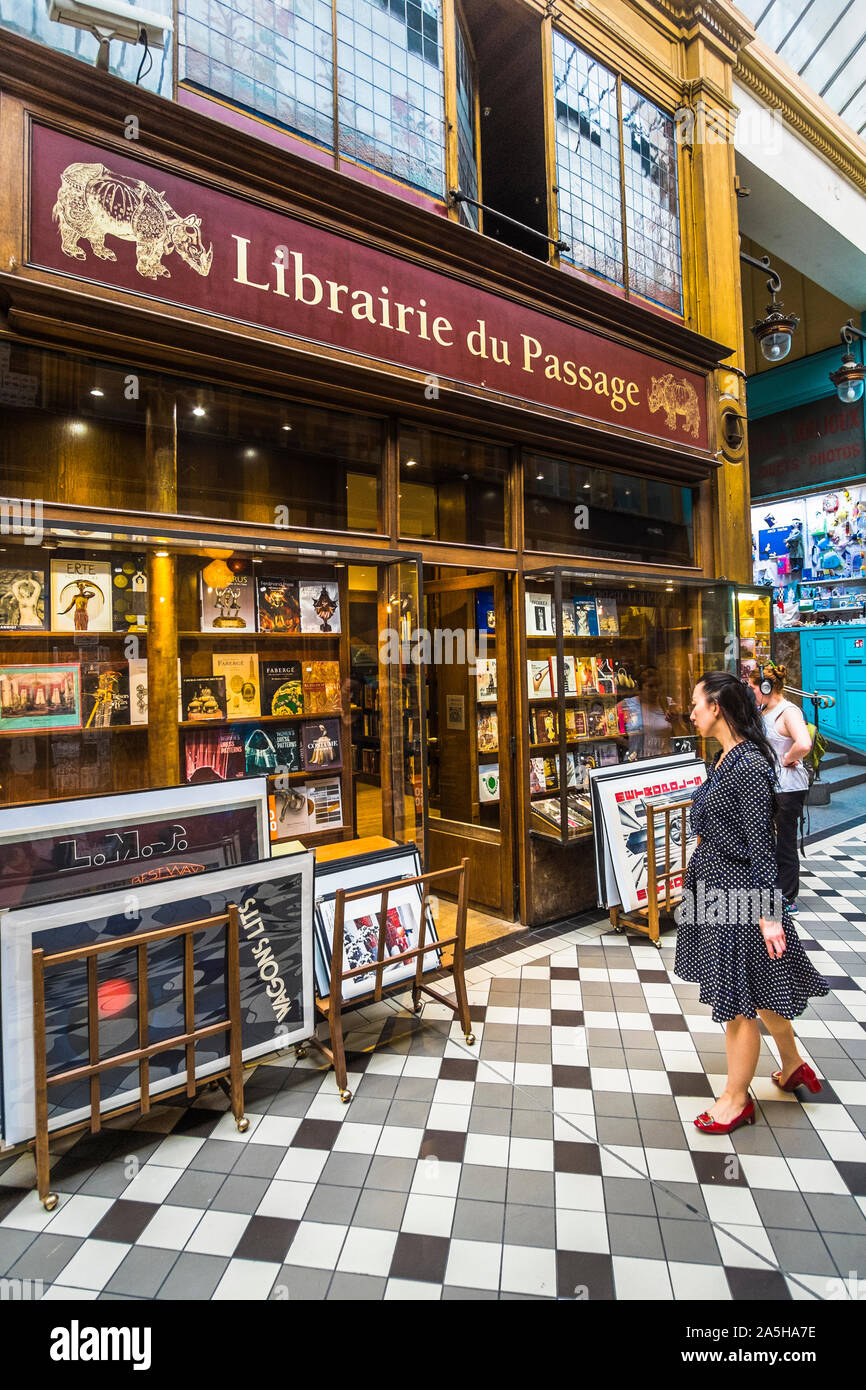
(803, 1076)
(707, 1125)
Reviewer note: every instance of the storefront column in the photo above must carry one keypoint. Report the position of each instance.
(163, 750)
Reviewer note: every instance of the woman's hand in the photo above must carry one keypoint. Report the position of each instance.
(774, 937)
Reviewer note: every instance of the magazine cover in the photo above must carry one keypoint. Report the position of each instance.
(281, 689)
(586, 616)
(538, 682)
(203, 697)
(104, 694)
(22, 599)
(539, 615)
(488, 783)
(321, 680)
(485, 677)
(622, 799)
(81, 596)
(608, 621)
(488, 730)
(231, 608)
(279, 604)
(137, 690)
(129, 593)
(40, 697)
(321, 746)
(240, 670)
(320, 605)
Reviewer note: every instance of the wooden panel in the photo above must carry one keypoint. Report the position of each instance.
(562, 880)
(447, 846)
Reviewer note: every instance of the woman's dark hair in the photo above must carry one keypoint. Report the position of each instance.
(739, 711)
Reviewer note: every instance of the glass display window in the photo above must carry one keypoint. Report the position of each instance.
(754, 625)
(453, 489)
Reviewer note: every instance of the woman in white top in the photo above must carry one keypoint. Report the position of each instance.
(786, 732)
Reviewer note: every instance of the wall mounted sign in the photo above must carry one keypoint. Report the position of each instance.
(114, 221)
(807, 447)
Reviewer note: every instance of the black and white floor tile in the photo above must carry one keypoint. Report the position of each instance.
(555, 1159)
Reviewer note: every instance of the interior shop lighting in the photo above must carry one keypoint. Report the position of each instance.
(287, 427)
(96, 391)
(411, 463)
(775, 331)
(199, 410)
(849, 378)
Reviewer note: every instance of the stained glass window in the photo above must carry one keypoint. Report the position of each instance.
(467, 166)
(651, 200)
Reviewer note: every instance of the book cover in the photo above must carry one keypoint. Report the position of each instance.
(605, 675)
(321, 746)
(22, 599)
(40, 697)
(629, 716)
(485, 678)
(575, 723)
(80, 596)
(536, 776)
(230, 607)
(570, 669)
(485, 616)
(291, 813)
(278, 604)
(544, 725)
(596, 720)
(287, 741)
(608, 620)
(321, 681)
(538, 682)
(608, 754)
(104, 694)
(213, 755)
(488, 730)
(137, 690)
(327, 813)
(611, 716)
(240, 670)
(539, 615)
(203, 697)
(488, 784)
(320, 605)
(129, 593)
(551, 774)
(568, 625)
(587, 676)
(586, 616)
(281, 688)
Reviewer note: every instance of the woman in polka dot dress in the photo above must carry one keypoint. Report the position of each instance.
(740, 945)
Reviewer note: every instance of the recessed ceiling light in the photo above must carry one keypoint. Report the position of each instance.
(540, 477)
(199, 410)
(586, 485)
(411, 463)
(287, 427)
(96, 391)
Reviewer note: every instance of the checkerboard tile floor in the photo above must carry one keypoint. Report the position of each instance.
(555, 1159)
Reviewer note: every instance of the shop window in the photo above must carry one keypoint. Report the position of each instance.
(467, 102)
(452, 489)
(575, 509)
(616, 171)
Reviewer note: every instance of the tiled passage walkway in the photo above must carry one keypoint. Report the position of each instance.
(557, 1158)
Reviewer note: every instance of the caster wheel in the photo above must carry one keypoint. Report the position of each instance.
(619, 931)
(470, 1038)
(243, 1124)
(345, 1097)
(50, 1202)
(658, 945)
(416, 1008)
(301, 1053)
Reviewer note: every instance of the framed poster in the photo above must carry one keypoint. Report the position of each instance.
(456, 711)
(59, 849)
(81, 596)
(22, 599)
(622, 798)
(361, 940)
(605, 877)
(40, 697)
(276, 978)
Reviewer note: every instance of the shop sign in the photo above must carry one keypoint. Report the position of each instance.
(805, 448)
(102, 217)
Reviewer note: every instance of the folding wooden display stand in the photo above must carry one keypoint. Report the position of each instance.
(145, 1050)
(646, 919)
(332, 1007)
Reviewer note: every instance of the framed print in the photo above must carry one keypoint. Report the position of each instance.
(320, 605)
(81, 596)
(649, 773)
(22, 599)
(40, 697)
(362, 922)
(486, 689)
(274, 898)
(90, 845)
(456, 711)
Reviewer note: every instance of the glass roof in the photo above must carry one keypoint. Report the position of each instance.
(824, 41)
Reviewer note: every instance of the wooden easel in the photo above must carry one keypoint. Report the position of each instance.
(145, 1050)
(646, 919)
(332, 1007)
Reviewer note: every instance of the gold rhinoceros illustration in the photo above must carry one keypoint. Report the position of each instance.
(94, 203)
(676, 398)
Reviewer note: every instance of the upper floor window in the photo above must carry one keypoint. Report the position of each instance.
(616, 171)
(467, 98)
(390, 108)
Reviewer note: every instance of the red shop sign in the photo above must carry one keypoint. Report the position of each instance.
(114, 221)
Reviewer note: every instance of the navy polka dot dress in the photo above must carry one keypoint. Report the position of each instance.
(719, 941)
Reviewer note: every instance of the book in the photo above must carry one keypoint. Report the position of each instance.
(203, 697)
(287, 742)
(240, 671)
(320, 743)
(22, 599)
(327, 812)
(129, 593)
(538, 681)
(488, 730)
(568, 625)
(570, 675)
(230, 608)
(539, 615)
(608, 754)
(281, 688)
(596, 720)
(629, 715)
(587, 678)
(608, 621)
(605, 675)
(575, 723)
(320, 605)
(104, 694)
(291, 812)
(213, 755)
(137, 690)
(488, 783)
(485, 678)
(586, 616)
(80, 596)
(544, 725)
(278, 604)
(321, 683)
(485, 616)
(40, 697)
(536, 776)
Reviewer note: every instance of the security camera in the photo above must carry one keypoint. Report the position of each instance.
(112, 19)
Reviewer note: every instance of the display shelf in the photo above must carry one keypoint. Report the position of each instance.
(65, 733)
(65, 634)
(850, 579)
(254, 719)
(239, 635)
